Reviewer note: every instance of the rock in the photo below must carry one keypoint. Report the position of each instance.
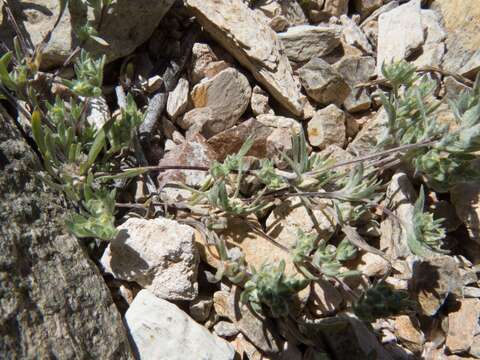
(356, 70)
(54, 302)
(285, 220)
(200, 308)
(394, 43)
(98, 112)
(466, 199)
(453, 88)
(205, 63)
(226, 95)
(253, 43)
(243, 347)
(475, 348)
(372, 265)
(366, 7)
(125, 26)
(225, 329)
(327, 127)
(433, 49)
(433, 280)
(325, 299)
(462, 23)
(289, 10)
(407, 330)
(160, 330)
(323, 83)
(400, 200)
(338, 155)
(279, 139)
(158, 254)
(354, 36)
(370, 25)
(195, 152)
(259, 102)
(260, 331)
(304, 42)
(322, 10)
(462, 325)
(177, 102)
(366, 140)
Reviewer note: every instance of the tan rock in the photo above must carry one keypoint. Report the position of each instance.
(323, 83)
(366, 140)
(259, 102)
(205, 63)
(354, 36)
(325, 299)
(290, 10)
(409, 333)
(434, 48)
(327, 127)
(366, 7)
(253, 43)
(462, 325)
(178, 99)
(227, 95)
(372, 264)
(462, 23)
(322, 10)
(370, 25)
(394, 43)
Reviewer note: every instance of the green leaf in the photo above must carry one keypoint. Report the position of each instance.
(96, 148)
(37, 131)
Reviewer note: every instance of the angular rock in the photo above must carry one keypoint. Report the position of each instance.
(434, 48)
(394, 43)
(356, 70)
(261, 332)
(253, 43)
(400, 200)
(125, 26)
(466, 199)
(205, 63)
(54, 302)
(327, 127)
(370, 25)
(407, 330)
(433, 280)
(462, 23)
(463, 325)
(259, 102)
(366, 7)
(290, 10)
(227, 95)
(279, 139)
(160, 330)
(372, 264)
(366, 140)
(177, 102)
(225, 329)
(323, 83)
(337, 154)
(200, 308)
(304, 42)
(325, 299)
(158, 254)
(322, 10)
(354, 36)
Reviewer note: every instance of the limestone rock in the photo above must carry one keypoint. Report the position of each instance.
(225, 329)
(227, 95)
(366, 140)
(160, 330)
(434, 48)
(366, 7)
(463, 325)
(253, 43)
(466, 199)
(290, 10)
(370, 25)
(372, 264)
(394, 42)
(323, 83)
(158, 254)
(125, 26)
(325, 299)
(259, 102)
(354, 36)
(304, 42)
(400, 199)
(205, 63)
(327, 127)
(322, 10)
(356, 70)
(462, 23)
(433, 280)
(260, 331)
(177, 102)
(407, 330)
(337, 154)
(54, 302)
(200, 308)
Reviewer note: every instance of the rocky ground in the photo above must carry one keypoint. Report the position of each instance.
(210, 74)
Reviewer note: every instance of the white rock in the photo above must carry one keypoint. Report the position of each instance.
(158, 254)
(178, 99)
(400, 33)
(160, 330)
(323, 83)
(434, 48)
(304, 42)
(370, 25)
(225, 329)
(253, 43)
(327, 127)
(98, 112)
